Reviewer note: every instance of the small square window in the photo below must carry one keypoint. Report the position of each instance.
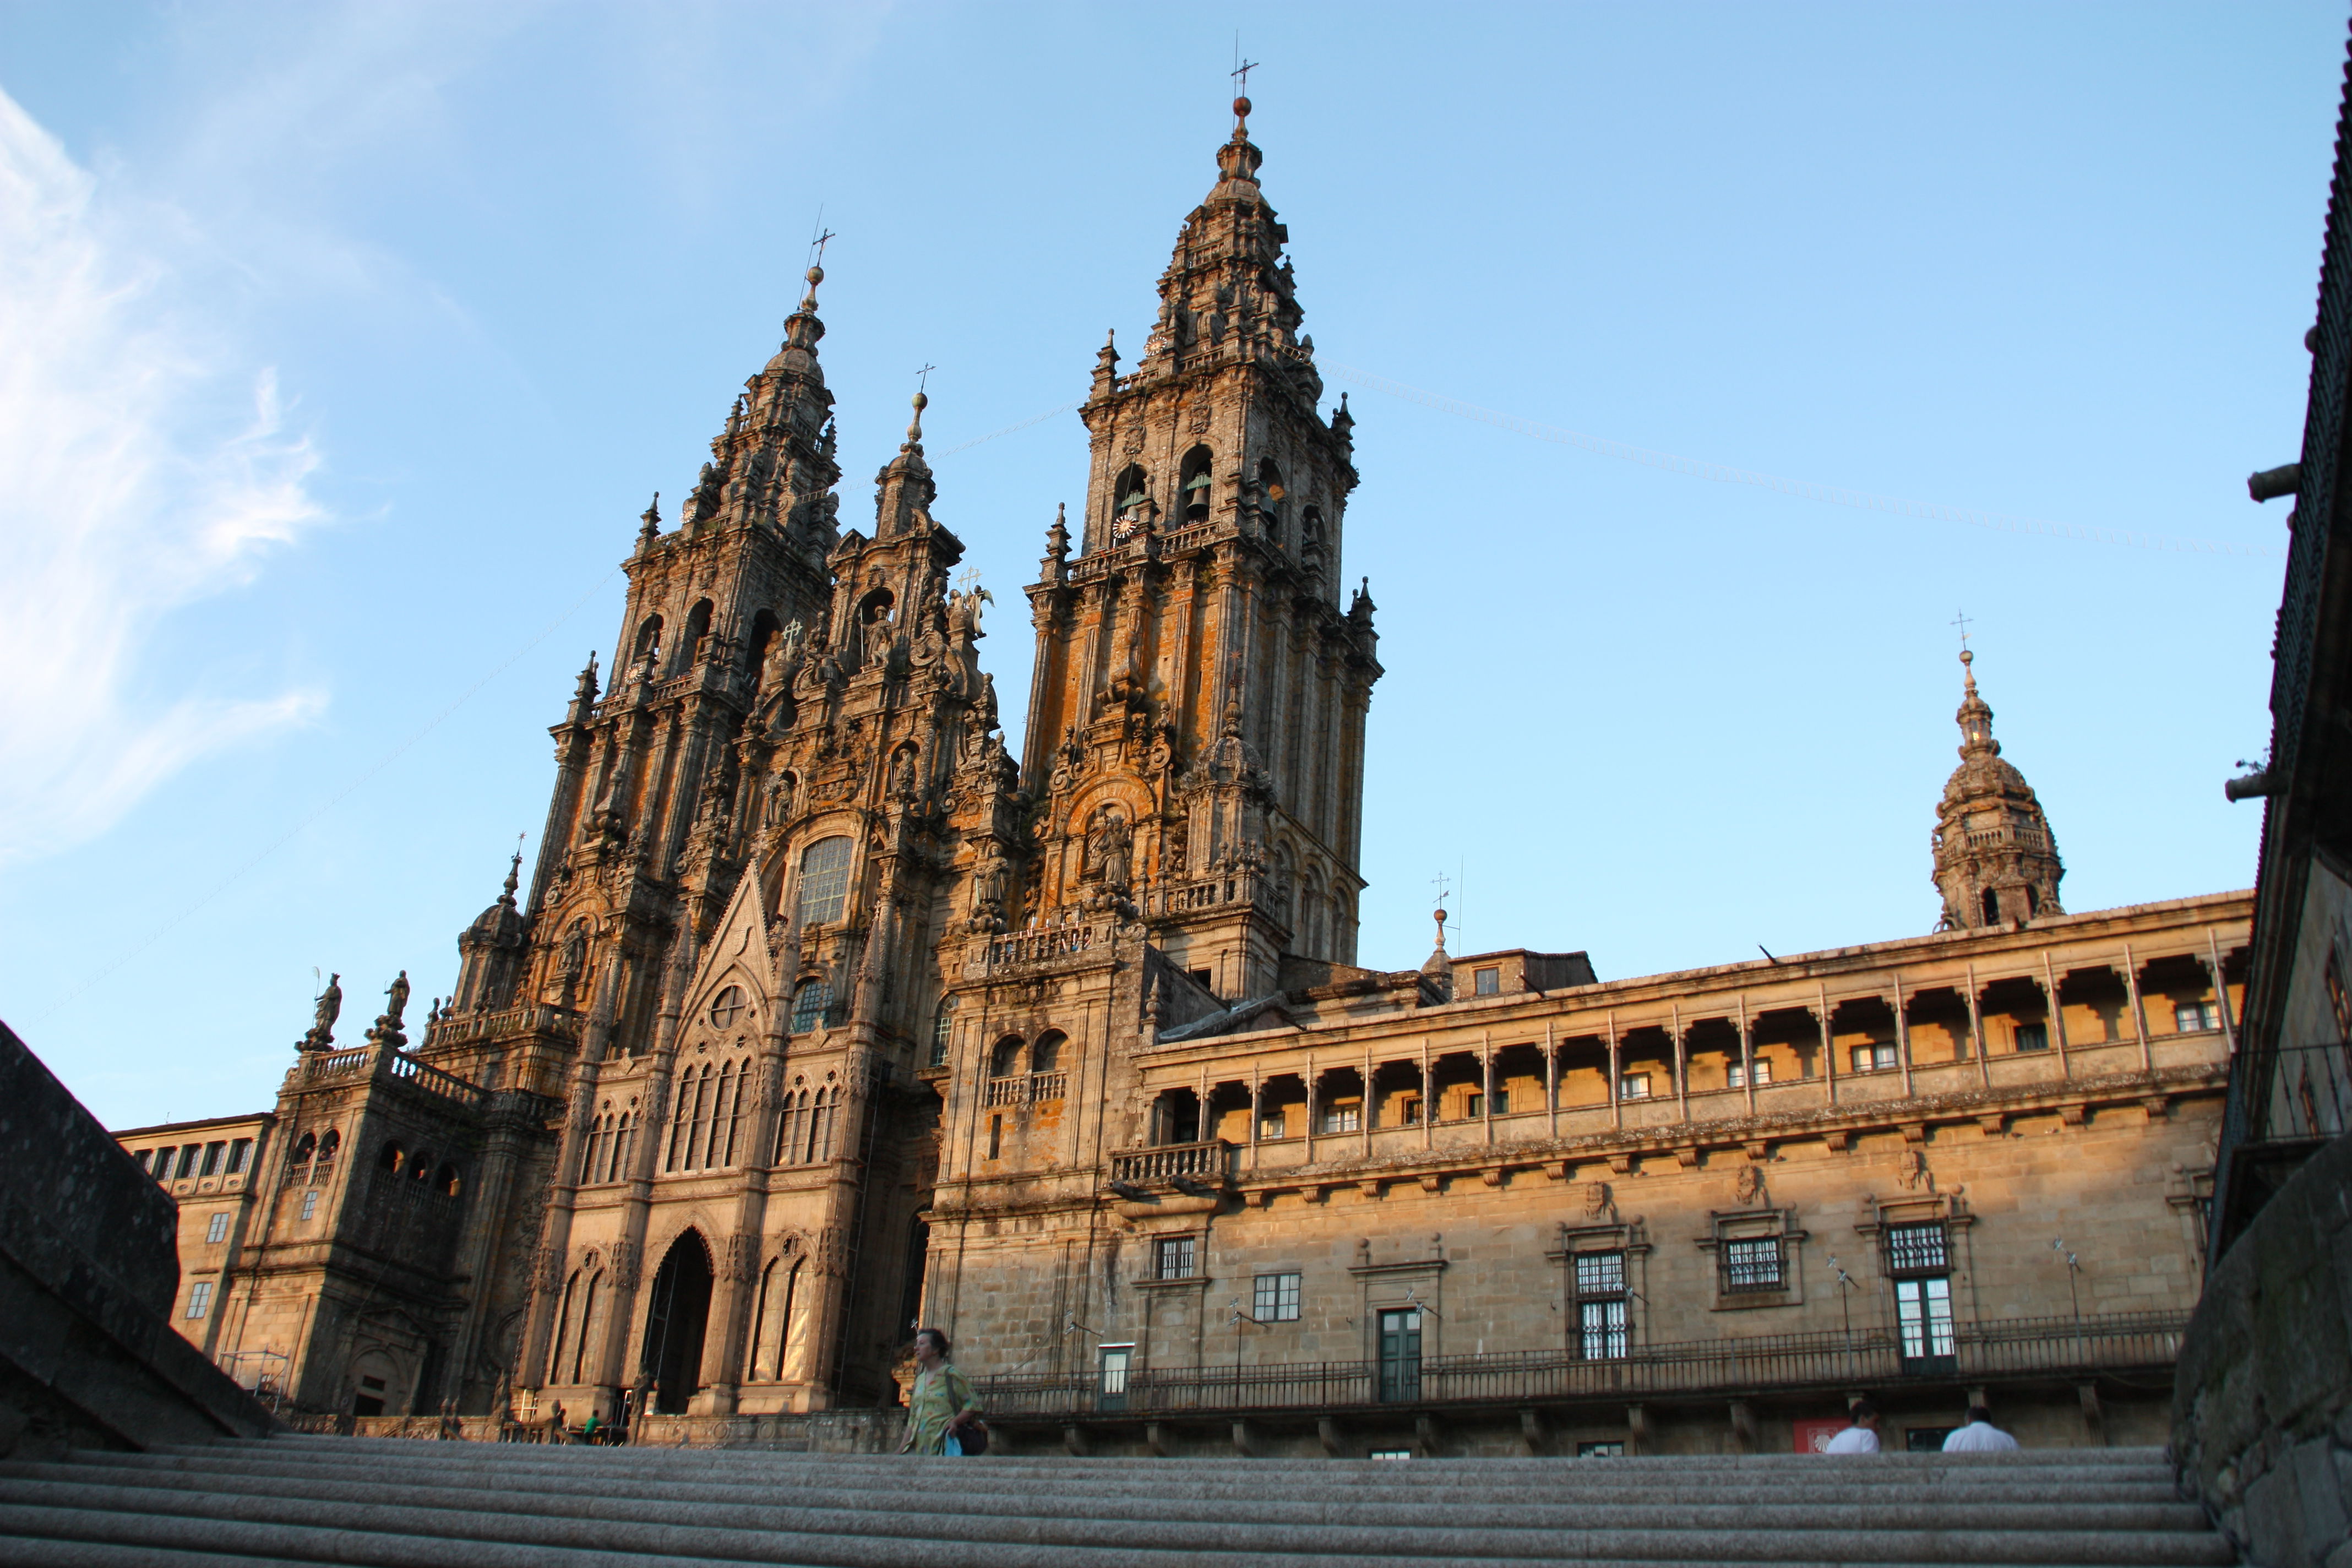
(1486, 981)
(1633, 1086)
(1601, 1450)
(1476, 1105)
(1738, 1073)
(1600, 1273)
(1174, 1258)
(1205, 979)
(216, 1231)
(1752, 1264)
(1873, 1059)
(2189, 1017)
(1271, 1124)
(200, 1297)
(1408, 1111)
(1347, 1117)
(309, 1203)
(2033, 1036)
(1277, 1299)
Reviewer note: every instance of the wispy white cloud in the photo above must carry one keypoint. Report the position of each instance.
(145, 464)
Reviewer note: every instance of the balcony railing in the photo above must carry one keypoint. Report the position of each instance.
(2007, 1348)
(1210, 1162)
(2283, 1103)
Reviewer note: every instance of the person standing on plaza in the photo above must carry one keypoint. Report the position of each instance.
(1979, 1435)
(1861, 1438)
(940, 1405)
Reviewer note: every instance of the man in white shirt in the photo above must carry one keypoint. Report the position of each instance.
(1861, 1438)
(1979, 1435)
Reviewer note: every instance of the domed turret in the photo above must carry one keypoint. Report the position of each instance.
(1996, 860)
(490, 950)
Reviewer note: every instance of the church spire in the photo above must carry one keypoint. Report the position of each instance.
(1996, 860)
(904, 487)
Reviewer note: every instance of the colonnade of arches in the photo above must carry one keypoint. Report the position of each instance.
(1714, 1052)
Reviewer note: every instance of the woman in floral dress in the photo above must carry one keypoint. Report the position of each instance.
(942, 1398)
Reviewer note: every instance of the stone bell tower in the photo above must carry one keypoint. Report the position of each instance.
(1996, 860)
(1196, 716)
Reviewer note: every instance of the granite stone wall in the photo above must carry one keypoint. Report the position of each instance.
(2262, 1404)
(88, 1270)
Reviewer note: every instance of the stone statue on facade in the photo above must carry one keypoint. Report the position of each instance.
(322, 1036)
(1749, 1190)
(387, 1030)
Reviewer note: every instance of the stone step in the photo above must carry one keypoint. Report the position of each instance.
(846, 1509)
(398, 1504)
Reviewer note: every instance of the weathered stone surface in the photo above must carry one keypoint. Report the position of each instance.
(86, 1274)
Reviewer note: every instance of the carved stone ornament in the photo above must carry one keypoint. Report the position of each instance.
(1749, 1190)
(628, 1257)
(1600, 1204)
(743, 1257)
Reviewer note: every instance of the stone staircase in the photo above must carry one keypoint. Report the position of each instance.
(358, 1501)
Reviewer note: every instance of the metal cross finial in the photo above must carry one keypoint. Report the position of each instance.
(1241, 69)
(923, 378)
(967, 579)
(1441, 882)
(1961, 621)
(818, 241)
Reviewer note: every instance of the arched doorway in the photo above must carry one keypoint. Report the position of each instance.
(675, 1322)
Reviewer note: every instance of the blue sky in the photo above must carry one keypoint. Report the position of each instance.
(341, 346)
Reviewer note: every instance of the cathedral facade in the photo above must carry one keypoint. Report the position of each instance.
(822, 1014)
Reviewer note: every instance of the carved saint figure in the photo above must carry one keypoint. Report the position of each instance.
(1913, 1170)
(398, 993)
(322, 1022)
(1599, 1207)
(902, 774)
(1110, 848)
(780, 800)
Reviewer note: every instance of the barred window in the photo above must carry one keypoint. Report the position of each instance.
(1601, 1328)
(1600, 1273)
(824, 882)
(1754, 1264)
(942, 1031)
(1174, 1258)
(1916, 1249)
(1277, 1299)
(727, 1006)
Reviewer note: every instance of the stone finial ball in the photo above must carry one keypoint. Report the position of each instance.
(921, 402)
(816, 275)
(1242, 107)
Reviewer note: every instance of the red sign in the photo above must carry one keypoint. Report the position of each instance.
(1813, 1435)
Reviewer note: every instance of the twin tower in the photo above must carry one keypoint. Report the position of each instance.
(797, 912)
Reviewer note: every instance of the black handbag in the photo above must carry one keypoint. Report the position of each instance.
(971, 1434)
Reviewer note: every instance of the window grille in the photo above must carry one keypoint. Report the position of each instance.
(824, 882)
(1277, 1299)
(1602, 1330)
(1917, 1249)
(811, 1004)
(1174, 1258)
(216, 1229)
(1600, 1273)
(728, 1006)
(1753, 1264)
(200, 1297)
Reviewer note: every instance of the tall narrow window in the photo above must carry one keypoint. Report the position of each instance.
(1195, 486)
(942, 1031)
(1174, 1258)
(1603, 1332)
(200, 1297)
(216, 1229)
(213, 1153)
(698, 1141)
(240, 1153)
(1400, 1354)
(821, 1126)
(824, 882)
(310, 1202)
(1919, 1257)
(563, 1330)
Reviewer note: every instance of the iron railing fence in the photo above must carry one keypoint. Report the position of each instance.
(1865, 1358)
